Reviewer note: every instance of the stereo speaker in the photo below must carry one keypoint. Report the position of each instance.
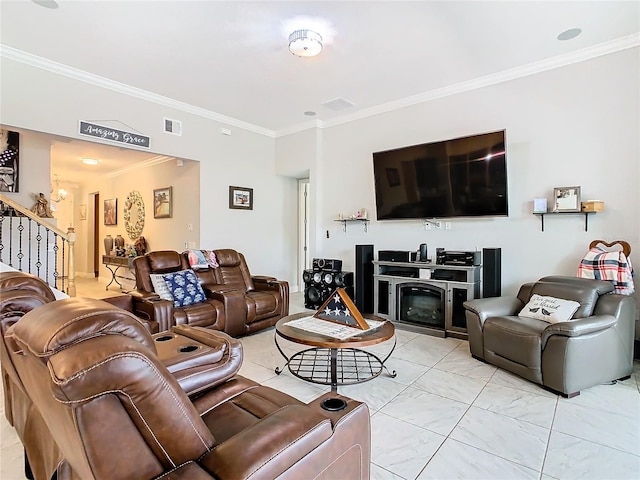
(327, 264)
(319, 285)
(491, 272)
(364, 278)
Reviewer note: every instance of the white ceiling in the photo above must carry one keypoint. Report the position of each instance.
(231, 58)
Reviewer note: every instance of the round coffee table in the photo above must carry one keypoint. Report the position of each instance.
(331, 361)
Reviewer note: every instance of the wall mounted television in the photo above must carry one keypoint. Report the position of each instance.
(462, 177)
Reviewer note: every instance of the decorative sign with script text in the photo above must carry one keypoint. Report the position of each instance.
(108, 133)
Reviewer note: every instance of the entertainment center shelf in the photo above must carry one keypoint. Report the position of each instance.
(425, 295)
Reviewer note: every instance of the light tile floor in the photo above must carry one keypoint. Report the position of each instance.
(448, 416)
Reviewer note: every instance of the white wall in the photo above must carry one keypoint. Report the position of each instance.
(43, 101)
(576, 125)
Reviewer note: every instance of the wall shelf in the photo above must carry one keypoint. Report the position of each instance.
(344, 221)
(586, 217)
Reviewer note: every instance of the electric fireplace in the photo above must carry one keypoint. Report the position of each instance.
(421, 304)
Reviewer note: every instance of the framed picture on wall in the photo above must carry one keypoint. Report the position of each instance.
(9, 161)
(111, 211)
(241, 198)
(566, 199)
(83, 211)
(163, 202)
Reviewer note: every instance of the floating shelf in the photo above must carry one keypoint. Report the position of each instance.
(344, 221)
(586, 217)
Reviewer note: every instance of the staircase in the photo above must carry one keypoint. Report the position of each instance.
(29, 244)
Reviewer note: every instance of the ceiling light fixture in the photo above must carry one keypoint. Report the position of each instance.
(305, 43)
(90, 161)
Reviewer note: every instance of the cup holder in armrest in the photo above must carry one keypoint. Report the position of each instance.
(188, 348)
(333, 404)
(164, 338)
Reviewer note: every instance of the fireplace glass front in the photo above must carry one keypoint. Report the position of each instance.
(421, 304)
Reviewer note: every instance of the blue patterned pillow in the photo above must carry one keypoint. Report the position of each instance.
(184, 287)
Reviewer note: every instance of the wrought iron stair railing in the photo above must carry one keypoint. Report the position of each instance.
(29, 244)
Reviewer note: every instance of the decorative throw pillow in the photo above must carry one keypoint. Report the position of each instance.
(211, 258)
(184, 287)
(549, 309)
(160, 287)
(197, 259)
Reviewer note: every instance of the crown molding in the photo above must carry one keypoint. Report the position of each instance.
(157, 160)
(80, 75)
(606, 48)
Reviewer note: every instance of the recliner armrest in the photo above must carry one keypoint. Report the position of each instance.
(269, 447)
(577, 328)
(157, 312)
(234, 307)
(494, 307)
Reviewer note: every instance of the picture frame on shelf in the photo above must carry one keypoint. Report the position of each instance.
(241, 198)
(111, 211)
(163, 202)
(566, 199)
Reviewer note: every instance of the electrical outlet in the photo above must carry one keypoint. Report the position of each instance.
(186, 245)
(192, 245)
(438, 224)
(447, 225)
(427, 226)
(190, 227)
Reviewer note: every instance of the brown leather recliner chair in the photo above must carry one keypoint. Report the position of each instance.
(96, 383)
(209, 313)
(260, 301)
(595, 346)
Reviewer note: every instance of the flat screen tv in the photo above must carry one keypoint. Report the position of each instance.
(463, 177)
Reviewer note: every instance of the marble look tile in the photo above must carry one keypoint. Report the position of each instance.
(426, 410)
(12, 464)
(406, 372)
(571, 458)
(256, 372)
(598, 426)
(532, 408)
(425, 350)
(515, 440)
(449, 385)
(457, 362)
(375, 393)
(379, 473)
(621, 399)
(400, 447)
(455, 460)
(508, 379)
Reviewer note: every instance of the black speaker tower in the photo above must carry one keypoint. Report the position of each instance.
(491, 272)
(364, 278)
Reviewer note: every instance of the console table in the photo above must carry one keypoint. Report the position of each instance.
(114, 264)
(425, 295)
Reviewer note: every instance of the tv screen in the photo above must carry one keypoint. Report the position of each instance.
(463, 177)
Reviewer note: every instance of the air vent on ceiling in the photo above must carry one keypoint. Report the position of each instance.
(174, 127)
(338, 104)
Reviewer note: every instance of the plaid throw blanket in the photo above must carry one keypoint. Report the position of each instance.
(599, 264)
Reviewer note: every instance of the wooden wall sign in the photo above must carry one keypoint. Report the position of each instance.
(114, 135)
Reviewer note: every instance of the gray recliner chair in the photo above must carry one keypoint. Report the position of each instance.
(594, 347)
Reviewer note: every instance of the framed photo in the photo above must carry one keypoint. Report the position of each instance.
(9, 161)
(566, 199)
(241, 198)
(163, 202)
(83, 211)
(111, 211)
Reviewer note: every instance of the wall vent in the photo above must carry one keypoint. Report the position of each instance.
(174, 127)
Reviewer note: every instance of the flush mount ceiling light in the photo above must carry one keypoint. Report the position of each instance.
(90, 161)
(305, 43)
(569, 34)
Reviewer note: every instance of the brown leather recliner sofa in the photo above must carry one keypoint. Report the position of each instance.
(97, 384)
(237, 302)
(595, 346)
